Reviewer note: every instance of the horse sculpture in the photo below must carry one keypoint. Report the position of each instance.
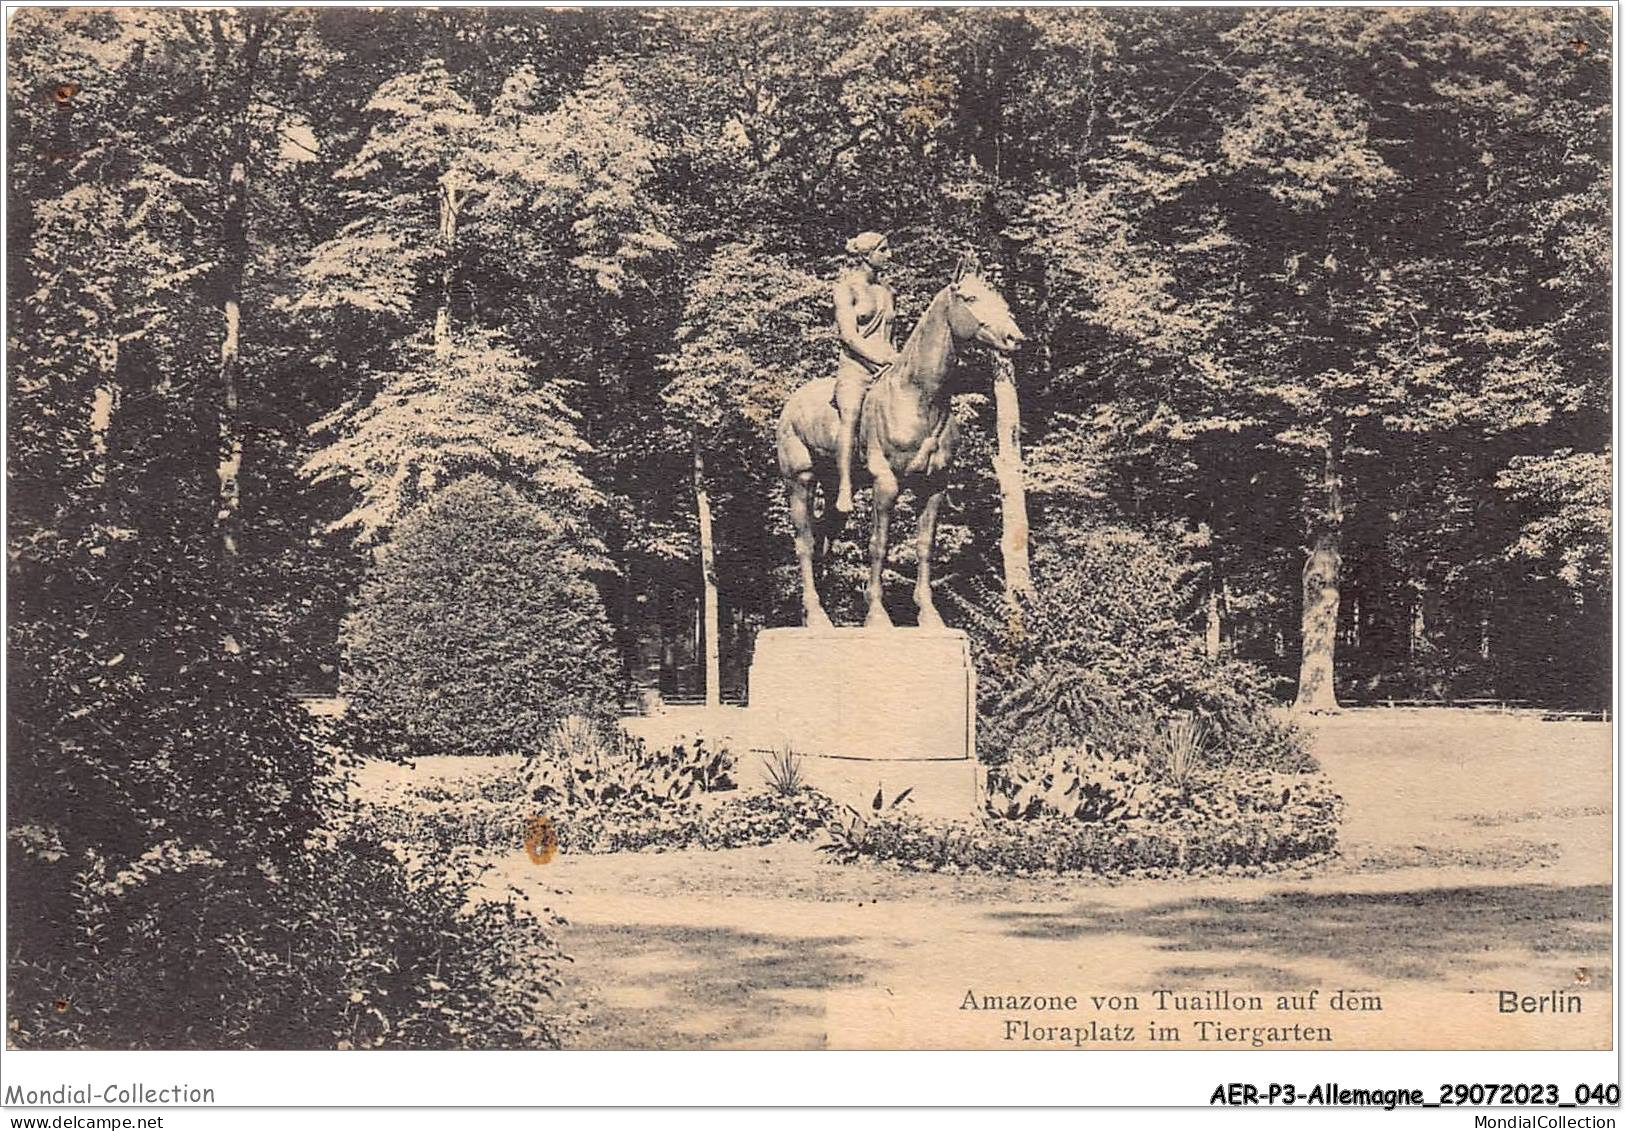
(906, 437)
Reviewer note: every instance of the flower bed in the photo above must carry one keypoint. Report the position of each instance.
(738, 822)
(1208, 836)
(481, 822)
(1075, 809)
(1259, 821)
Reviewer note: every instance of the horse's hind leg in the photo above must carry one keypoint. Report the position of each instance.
(799, 487)
(929, 617)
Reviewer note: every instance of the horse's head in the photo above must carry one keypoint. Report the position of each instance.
(977, 311)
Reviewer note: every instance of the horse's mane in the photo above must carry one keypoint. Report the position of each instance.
(904, 365)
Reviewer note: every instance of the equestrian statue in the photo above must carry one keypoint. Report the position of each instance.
(884, 418)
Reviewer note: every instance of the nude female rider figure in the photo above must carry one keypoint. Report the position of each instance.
(864, 313)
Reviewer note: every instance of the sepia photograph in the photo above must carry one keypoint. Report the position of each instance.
(811, 528)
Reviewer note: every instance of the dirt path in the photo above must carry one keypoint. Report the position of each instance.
(1477, 859)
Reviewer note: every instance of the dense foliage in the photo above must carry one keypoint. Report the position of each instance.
(478, 631)
(345, 948)
(1105, 654)
(179, 870)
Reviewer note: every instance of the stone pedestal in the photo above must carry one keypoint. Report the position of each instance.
(871, 709)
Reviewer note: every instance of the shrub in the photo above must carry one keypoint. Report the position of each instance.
(765, 818)
(600, 791)
(163, 785)
(149, 702)
(1080, 810)
(345, 947)
(738, 822)
(1104, 655)
(1075, 783)
(480, 628)
(581, 768)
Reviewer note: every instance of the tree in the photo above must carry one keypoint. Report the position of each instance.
(128, 702)
(464, 401)
(238, 101)
(742, 349)
(1007, 466)
(1257, 359)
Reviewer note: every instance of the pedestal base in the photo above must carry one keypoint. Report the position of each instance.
(946, 789)
(871, 709)
(887, 694)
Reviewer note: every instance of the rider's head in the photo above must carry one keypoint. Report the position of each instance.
(870, 248)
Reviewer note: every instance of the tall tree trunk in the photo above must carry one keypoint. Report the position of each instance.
(451, 201)
(1316, 690)
(1214, 636)
(229, 289)
(708, 578)
(231, 439)
(1424, 618)
(1007, 467)
(1419, 629)
(104, 405)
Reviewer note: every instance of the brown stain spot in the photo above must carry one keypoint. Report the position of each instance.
(61, 1005)
(1582, 976)
(1580, 46)
(65, 91)
(541, 840)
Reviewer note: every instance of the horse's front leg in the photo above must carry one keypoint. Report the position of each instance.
(800, 490)
(826, 529)
(929, 618)
(885, 497)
